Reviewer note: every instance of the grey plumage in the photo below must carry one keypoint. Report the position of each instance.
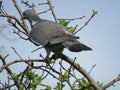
(51, 35)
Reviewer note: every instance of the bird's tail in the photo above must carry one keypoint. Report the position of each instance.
(75, 46)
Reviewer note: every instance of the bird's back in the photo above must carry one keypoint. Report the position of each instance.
(50, 32)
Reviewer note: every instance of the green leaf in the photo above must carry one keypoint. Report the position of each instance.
(63, 22)
(37, 80)
(84, 81)
(99, 84)
(71, 29)
(52, 61)
(59, 86)
(66, 75)
(47, 86)
(29, 74)
(95, 12)
(16, 76)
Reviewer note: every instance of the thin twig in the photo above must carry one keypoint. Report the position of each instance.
(74, 28)
(27, 4)
(71, 19)
(42, 3)
(18, 33)
(111, 82)
(81, 70)
(50, 68)
(2, 10)
(45, 11)
(18, 61)
(15, 26)
(16, 53)
(20, 12)
(69, 72)
(36, 49)
(17, 7)
(92, 68)
(9, 71)
(85, 23)
(71, 66)
(49, 3)
(19, 23)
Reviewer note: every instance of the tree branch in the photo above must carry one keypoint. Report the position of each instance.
(45, 11)
(19, 23)
(51, 7)
(86, 23)
(111, 82)
(27, 4)
(81, 70)
(10, 72)
(71, 19)
(17, 61)
(20, 12)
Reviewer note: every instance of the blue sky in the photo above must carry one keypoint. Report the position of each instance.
(102, 34)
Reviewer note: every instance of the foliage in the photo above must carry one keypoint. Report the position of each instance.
(65, 23)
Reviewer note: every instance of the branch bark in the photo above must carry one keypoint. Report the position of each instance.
(111, 82)
(20, 12)
(18, 61)
(10, 73)
(86, 23)
(19, 23)
(51, 7)
(81, 70)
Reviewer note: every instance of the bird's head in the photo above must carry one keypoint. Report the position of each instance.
(30, 15)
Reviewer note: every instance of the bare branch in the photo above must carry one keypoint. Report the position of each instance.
(18, 33)
(20, 12)
(15, 26)
(37, 49)
(81, 70)
(17, 7)
(42, 3)
(9, 71)
(85, 23)
(18, 61)
(92, 68)
(48, 69)
(111, 82)
(71, 19)
(19, 23)
(51, 8)
(16, 53)
(45, 11)
(54, 76)
(27, 4)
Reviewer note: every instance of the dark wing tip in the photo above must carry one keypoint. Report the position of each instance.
(79, 47)
(88, 48)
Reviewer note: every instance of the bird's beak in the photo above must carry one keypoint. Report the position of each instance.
(22, 18)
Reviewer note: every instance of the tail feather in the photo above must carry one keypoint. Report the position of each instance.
(76, 46)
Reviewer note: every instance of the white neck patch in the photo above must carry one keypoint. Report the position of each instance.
(34, 22)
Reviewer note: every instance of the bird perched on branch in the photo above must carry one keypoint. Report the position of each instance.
(53, 36)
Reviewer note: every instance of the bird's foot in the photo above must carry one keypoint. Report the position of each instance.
(47, 59)
(54, 56)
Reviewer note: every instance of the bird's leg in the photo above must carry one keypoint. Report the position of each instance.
(47, 59)
(54, 56)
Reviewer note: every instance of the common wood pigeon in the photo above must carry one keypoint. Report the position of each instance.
(52, 35)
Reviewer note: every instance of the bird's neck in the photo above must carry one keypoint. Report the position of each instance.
(33, 22)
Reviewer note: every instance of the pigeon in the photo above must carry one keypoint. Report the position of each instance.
(53, 36)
